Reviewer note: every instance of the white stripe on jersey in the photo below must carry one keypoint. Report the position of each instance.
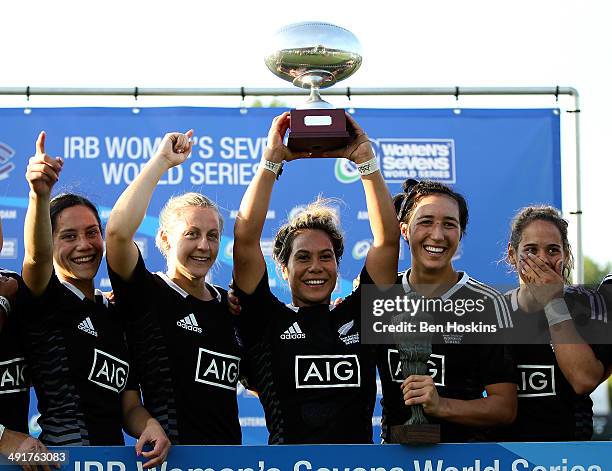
(599, 310)
(501, 308)
(408, 289)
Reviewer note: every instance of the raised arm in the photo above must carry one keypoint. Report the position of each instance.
(41, 174)
(249, 264)
(131, 207)
(382, 258)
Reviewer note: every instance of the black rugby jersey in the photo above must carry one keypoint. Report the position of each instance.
(316, 381)
(14, 374)
(548, 407)
(460, 370)
(605, 289)
(79, 365)
(186, 357)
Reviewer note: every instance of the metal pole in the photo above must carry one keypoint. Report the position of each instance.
(244, 91)
(371, 91)
(578, 211)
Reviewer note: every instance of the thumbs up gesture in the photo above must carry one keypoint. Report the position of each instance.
(43, 171)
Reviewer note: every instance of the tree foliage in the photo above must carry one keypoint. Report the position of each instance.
(593, 272)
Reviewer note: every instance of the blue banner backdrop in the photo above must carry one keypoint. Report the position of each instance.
(586, 456)
(500, 160)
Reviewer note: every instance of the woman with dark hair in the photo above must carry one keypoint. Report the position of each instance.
(557, 369)
(315, 379)
(77, 353)
(432, 219)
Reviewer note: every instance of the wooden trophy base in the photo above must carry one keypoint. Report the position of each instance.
(415, 434)
(317, 130)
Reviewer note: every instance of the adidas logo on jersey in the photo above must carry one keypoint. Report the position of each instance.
(87, 326)
(189, 323)
(293, 332)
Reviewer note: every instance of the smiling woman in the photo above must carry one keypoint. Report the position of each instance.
(73, 332)
(316, 380)
(179, 328)
(462, 367)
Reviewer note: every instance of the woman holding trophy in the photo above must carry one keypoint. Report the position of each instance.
(433, 219)
(316, 381)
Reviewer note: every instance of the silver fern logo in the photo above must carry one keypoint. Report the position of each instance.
(343, 333)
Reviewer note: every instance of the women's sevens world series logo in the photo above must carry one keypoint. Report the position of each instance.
(402, 158)
(6, 153)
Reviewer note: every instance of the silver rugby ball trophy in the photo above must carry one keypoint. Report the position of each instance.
(315, 55)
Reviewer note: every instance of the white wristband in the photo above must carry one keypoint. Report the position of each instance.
(368, 167)
(5, 304)
(556, 311)
(2, 428)
(275, 168)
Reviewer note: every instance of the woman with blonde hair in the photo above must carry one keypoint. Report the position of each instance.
(182, 339)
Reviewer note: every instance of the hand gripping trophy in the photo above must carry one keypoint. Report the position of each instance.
(315, 55)
(414, 351)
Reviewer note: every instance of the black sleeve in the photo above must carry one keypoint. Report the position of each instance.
(496, 364)
(607, 281)
(495, 359)
(33, 309)
(589, 310)
(352, 303)
(256, 311)
(132, 383)
(134, 295)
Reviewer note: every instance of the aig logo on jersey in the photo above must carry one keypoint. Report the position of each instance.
(13, 377)
(536, 380)
(435, 364)
(327, 371)
(217, 369)
(108, 371)
(423, 159)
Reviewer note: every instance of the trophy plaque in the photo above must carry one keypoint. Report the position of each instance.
(414, 351)
(315, 55)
